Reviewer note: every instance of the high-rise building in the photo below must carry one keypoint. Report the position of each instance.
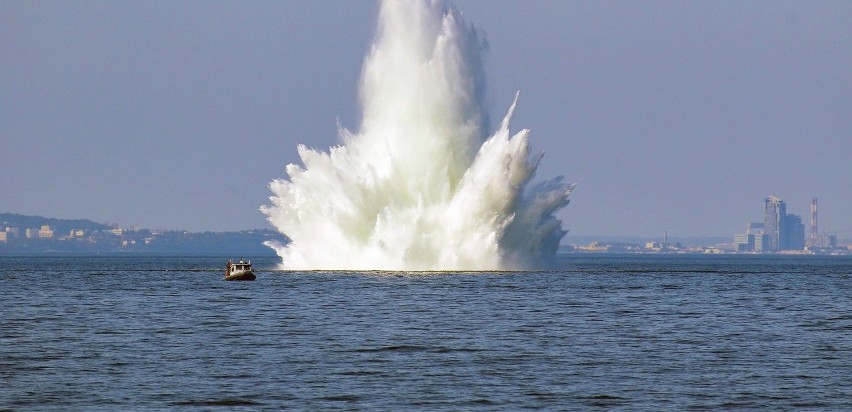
(760, 242)
(758, 232)
(774, 210)
(744, 242)
(783, 231)
(793, 233)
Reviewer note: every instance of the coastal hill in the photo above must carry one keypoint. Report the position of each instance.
(22, 234)
(57, 225)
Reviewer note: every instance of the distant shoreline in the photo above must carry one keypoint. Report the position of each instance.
(35, 235)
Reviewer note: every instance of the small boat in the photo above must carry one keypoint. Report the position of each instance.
(239, 271)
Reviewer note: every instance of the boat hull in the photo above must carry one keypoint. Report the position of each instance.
(241, 276)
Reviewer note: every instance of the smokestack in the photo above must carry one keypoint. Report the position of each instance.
(814, 233)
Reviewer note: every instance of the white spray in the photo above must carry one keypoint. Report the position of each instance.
(419, 187)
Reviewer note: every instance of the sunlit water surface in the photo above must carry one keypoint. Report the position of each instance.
(632, 332)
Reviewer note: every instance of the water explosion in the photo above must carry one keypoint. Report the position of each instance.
(421, 186)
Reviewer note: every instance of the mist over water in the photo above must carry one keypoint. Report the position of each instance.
(421, 185)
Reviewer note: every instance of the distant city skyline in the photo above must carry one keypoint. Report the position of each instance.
(677, 117)
(38, 234)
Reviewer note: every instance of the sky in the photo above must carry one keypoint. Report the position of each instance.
(670, 115)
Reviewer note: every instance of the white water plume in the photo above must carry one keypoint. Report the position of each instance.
(419, 187)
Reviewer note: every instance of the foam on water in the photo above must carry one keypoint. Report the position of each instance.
(421, 186)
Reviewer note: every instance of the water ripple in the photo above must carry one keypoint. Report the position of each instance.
(619, 332)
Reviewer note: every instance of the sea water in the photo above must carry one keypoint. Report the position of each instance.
(633, 332)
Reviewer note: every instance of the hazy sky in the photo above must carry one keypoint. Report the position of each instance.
(677, 116)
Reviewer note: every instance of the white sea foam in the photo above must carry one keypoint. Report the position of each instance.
(420, 186)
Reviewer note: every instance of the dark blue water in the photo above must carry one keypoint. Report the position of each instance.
(626, 332)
